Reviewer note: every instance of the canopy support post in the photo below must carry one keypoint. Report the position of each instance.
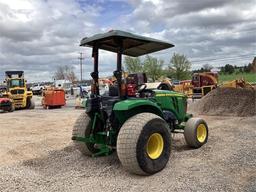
(95, 73)
(118, 72)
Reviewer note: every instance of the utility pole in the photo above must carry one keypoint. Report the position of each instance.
(81, 63)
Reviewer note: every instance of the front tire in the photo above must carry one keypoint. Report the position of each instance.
(12, 108)
(30, 104)
(82, 128)
(196, 132)
(143, 144)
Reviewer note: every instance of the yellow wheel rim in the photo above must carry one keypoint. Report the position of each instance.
(155, 145)
(201, 133)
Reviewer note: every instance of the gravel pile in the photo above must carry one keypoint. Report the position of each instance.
(227, 101)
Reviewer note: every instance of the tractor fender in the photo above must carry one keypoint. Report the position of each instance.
(125, 109)
(169, 116)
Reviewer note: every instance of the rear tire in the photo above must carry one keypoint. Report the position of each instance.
(143, 144)
(196, 132)
(82, 128)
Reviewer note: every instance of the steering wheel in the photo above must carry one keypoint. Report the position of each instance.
(141, 88)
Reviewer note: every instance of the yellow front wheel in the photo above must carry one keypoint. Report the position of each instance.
(155, 145)
(201, 132)
(144, 144)
(196, 132)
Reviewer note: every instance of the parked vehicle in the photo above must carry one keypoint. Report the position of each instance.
(63, 84)
(17, 90)
(37, 89)
(139, 124)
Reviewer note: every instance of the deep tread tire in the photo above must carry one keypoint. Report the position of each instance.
(190, 132)
(12, 108)
(32, 104)
(132, 140)
(81, 129)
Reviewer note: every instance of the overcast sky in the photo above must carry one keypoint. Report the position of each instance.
(38, 35)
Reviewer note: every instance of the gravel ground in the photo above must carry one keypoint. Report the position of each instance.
(36, 154)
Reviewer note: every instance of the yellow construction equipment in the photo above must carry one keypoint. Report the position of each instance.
(238, 83)
(185, 87)
(17, 90)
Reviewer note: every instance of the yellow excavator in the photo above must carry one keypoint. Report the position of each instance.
(16, 90)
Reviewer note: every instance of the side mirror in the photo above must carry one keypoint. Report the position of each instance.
(4, 81)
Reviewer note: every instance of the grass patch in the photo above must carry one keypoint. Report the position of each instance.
(250, 77)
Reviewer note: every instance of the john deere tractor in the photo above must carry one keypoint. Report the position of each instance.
(17, 90)
(135, 121)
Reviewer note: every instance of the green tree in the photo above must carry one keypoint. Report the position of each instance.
(153, 67)
(229, 69)
(133, 65)
(181, 65)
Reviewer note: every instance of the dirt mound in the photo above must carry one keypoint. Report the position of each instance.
(227, 101)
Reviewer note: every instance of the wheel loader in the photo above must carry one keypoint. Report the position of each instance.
(131, 119)
(16, 90)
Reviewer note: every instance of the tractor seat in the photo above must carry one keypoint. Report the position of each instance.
(108, 103)
(113, 90)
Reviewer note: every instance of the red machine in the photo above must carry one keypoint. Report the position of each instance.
(53, 98)
(203, 83)
(6, 104)
(204, 79)
(133, 81)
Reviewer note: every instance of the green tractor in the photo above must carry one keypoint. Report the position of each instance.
(135, 121)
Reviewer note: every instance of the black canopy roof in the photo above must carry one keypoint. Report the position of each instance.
(133, 45)
(11, 73)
